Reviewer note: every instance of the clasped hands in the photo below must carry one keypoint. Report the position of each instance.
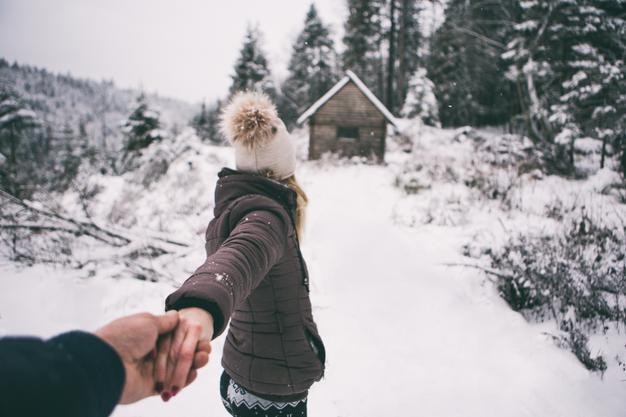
(160, 354)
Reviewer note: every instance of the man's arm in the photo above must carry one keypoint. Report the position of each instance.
(73, 374)
(84, 375)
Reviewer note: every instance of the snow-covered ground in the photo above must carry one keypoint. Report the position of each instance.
(406, 335)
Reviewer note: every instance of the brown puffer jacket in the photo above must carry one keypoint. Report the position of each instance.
(255, 275)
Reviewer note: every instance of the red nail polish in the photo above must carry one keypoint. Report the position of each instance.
(166, 396)
(158, 387)
(175, 390)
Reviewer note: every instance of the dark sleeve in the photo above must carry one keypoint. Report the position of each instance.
(229, 275)
(73, 374)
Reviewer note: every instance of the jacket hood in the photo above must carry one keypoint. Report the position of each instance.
(233, 184)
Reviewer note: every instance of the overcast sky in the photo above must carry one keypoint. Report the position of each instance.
(179, 48)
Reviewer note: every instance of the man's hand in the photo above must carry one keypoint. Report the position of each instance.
(184, 351)
(135, 338)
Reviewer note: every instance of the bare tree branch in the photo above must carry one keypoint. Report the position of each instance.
(477, 35)
(489, 271)
(89, 229)
(24, 229)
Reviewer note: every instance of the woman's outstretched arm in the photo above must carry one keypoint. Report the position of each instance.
(226, 278)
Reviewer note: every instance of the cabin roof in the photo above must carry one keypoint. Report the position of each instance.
(350, 76)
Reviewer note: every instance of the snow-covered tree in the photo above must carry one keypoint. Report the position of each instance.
(466, 66)
(201, 124)
(595, 94)
(66, 158)
(312, 68)
(363, 40)
(206, 122)
(16, 127)
(410, 41)
(142, 126)
(383, 45)
(252, 70)
(568, 58)
(420, 101)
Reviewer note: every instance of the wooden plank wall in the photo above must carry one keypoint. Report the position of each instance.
(349, 108)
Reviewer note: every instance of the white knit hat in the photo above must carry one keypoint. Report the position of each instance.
(261, 140)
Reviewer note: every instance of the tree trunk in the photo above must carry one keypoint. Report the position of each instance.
(392, 57)
(13, 185)
(534, 107)
(47, 135)
(402, 52)
(623, 157)
(603, 153)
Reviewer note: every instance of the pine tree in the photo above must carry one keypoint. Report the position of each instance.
(200, 123)
(420, 101)
(537, 60)
(390, 91)
(383, 43)
(206, 122)
(67, 159)
(312, 68)
(594, 94)
(568, 58)
(142, 127)
(363, 42)
(466, 65)
(252, 69)
(409, 46)
(17, 123)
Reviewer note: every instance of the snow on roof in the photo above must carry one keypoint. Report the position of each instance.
(350, 76)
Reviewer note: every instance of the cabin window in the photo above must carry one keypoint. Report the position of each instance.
(347, 132)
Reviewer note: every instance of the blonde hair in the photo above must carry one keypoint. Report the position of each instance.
(301, 202)
(301, 199)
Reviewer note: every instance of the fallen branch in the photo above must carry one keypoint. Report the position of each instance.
(489, 271)
(169, 241)
(82, 228)
(144, 273)
(38, 228)
(32, 233)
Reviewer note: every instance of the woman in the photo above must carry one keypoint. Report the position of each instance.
(254, 275)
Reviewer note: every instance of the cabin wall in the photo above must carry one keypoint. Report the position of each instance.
(352, 109)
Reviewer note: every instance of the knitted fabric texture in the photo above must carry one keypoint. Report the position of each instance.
(261, 140)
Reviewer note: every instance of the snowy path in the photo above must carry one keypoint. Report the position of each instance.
(405, 335)
(409, 337)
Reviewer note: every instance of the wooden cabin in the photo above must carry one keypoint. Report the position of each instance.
(348, 120)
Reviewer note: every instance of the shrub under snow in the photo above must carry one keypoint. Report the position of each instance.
(576, 277)
(555, 246)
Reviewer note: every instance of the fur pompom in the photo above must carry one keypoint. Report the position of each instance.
(250, 119)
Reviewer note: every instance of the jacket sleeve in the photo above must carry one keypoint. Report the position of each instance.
(230, 274)
(73, 374)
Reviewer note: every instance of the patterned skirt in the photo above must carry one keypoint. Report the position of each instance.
(241, 403)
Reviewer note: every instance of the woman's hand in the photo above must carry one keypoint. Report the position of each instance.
(134, 338)
(183, 351)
